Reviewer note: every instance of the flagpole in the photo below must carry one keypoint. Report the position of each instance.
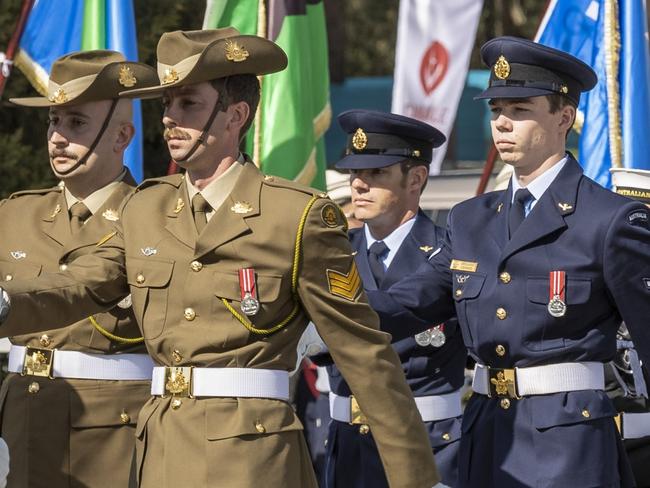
(257, 135)
(7, 62)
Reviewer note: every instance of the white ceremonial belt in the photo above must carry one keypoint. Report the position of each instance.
(57, 363)
(220, 382)
(635, 425)
(538, 380)
(431, 408)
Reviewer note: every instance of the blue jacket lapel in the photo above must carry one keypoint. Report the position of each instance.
(548, 214)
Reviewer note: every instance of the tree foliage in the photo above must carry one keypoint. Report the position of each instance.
(362, 43)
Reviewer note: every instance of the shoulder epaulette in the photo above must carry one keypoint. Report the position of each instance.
(174, 180)
(38, 191)
(278, 182)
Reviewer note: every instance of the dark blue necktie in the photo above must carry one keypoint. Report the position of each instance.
(518, 209)
(375, 254)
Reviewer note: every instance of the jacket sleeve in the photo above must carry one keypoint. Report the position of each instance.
(626, 265)
(94, 281)
(331, 292)
(424, 297)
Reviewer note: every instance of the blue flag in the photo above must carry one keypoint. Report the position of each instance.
(57, 27)
(610, 36)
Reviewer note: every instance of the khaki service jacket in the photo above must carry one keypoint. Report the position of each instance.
(181, 284)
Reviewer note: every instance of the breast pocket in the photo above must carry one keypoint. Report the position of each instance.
(273, 305)
(21, 270)
(545, 332)
(466, 290)
(149, 282)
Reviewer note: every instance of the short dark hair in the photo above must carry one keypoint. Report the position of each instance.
(406, 166)
(557, 102)
(238, 88)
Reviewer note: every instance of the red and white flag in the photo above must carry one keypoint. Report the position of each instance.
(434, 42)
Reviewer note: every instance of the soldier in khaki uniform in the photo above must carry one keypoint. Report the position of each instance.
(226, 267)
(72, 396)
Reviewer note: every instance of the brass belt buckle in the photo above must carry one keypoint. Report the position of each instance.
(356, 415)
(503, 383)
(38, 362)
(178, 381)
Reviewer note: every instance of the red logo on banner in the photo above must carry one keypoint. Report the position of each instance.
(433, 67)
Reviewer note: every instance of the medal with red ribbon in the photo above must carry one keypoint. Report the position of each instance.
(250, 305)
(557, 286)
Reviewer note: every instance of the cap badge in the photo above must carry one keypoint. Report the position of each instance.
(169, 76)
(59, 96)
(564, 89)
(241, 208)
(127, 78)
(111, 214)
(235, 52)
(502, 68)
(359, 140)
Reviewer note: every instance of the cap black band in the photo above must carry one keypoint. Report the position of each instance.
(392, 145)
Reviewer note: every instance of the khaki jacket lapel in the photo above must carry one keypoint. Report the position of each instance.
(56, 222)
(229, 221)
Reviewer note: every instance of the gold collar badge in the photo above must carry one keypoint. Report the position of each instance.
(179, 205)
(235, 52)
(59, 96)
(565, 206)
(502, 68)
(127, 78)
(169, 76)
(56, 210)
(111, 214)
(241, 208)
(359, 140)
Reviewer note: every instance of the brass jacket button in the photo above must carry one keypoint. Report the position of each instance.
(259, 427)
(446, 436)
(124, 417)
(176, 403)
(33, 387)
(189, 313)
(176, 356)
(364, 429)
(45, 340)
(9, 277)
(501, 351)
(505, 403)
(505, 277)
(63, 267)
(196, 266)
(139, 279)
(501, 313)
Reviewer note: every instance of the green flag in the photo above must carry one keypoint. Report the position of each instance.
(294, 113)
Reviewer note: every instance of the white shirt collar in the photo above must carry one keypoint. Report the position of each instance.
(539, 185)
(394, 240)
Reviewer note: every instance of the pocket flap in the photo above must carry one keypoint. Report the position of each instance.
(570, 408)
(234, 417)
(149, 273)
(467, 285)
(19, 270)
(226, 285)
(107, 405)
(578, 290)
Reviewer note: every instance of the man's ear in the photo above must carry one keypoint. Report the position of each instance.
(124, 136)
(238, 115)
(568, 117)
(418, 176)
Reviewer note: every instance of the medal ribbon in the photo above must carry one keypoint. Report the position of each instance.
(557, 281)
(247, 283)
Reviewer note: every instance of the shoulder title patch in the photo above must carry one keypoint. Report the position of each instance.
(638, 218)
(345, 285)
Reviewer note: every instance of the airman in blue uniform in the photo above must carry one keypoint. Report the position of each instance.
(388, 158)
(626, 378)
(540, 276)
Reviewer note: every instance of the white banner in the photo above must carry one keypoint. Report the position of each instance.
(434, 42)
